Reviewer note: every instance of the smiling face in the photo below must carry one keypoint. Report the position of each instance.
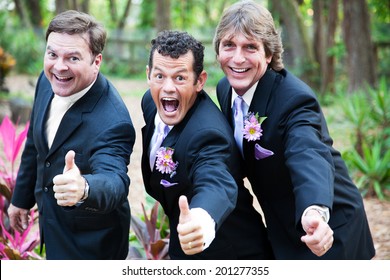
(242, 60)
(173, 86)
(69, 64)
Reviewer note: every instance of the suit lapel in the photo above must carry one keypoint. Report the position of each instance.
(259, 105)
(73, 117)
(42, 113)
(263, 93)
(225, 100)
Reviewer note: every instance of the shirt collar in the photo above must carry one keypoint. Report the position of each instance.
(247, 96)
(158, 120)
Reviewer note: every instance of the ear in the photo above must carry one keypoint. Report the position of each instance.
(98, 61)
(201, 81)
(268, 59)
(147, 73)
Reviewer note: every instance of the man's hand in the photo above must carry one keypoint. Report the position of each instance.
(18, 218)
(189, 230)
(319, 236)
(69, 186)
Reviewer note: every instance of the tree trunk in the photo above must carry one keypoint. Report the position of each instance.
(319, 41)
(22, 13)
(359, 45)
(34, 7)
(298, 50)
(113, 12)
(163, 16)
(325, 23)
(123, 19)
(329, 77)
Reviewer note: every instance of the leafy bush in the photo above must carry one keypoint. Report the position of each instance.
(369, 158)
(151, 235)
(13, 245)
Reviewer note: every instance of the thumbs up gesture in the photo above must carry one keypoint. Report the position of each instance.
(69, 186)
(189, 229)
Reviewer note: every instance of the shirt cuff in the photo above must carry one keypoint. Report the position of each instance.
(322, 210)
(207, 223)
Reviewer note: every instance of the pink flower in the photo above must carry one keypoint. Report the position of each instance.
(164, 162)
(252, 127)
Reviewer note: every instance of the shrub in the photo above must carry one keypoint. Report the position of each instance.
(13, 245)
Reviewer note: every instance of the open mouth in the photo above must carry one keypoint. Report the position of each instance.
(239, 70)
(170, 104)
(63, 79)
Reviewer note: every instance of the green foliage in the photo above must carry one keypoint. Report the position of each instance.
(369, 158)
(146, 17)
(373, 168)
(27, 47)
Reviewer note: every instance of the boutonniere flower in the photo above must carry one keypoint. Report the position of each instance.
(252, 132)
(166, 165)
(252, 126)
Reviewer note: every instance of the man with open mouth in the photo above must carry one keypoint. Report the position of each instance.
(189, 161)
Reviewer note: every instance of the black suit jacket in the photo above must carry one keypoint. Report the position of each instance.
(304, 170)
(209, 174)
(99, 129)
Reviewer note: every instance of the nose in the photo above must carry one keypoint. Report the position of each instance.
(169, 85)
(238, 56)
(60, 65)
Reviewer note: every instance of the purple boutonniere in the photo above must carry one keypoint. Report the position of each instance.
(166, 165)
(252, 132)
(164, 162)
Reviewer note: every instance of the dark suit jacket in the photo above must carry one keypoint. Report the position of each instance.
(205, 150)
(304, 170)
(99, 129)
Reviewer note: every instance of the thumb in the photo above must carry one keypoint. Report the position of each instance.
(69, 161)
(311, 224)
(185, 213)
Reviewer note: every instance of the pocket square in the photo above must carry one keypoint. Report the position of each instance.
(261, 153)
(167, 184)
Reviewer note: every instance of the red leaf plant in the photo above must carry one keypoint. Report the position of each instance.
(13, 245)
(19, 246)
(149, 233)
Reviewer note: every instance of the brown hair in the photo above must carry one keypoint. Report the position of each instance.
(254, 21)
(75, 22)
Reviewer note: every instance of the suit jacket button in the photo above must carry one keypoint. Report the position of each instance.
(45, 189)
(48, 163)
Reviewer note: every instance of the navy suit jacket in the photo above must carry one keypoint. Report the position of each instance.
(99, 129)
(304, 170)
(209, 174)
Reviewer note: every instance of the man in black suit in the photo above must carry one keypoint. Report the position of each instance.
(312, 209)
(74, 164)
(193, 173)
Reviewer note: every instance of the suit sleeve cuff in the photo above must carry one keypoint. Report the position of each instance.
(322, 210)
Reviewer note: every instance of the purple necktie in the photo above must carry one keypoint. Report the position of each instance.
(238, 121)
(162, 131)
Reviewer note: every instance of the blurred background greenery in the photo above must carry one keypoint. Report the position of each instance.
(339, 47)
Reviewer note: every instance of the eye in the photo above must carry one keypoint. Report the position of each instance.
(180, 78)
(227, 44)
(158, 76)
(252, 47)
(51, 55)
(74, 59)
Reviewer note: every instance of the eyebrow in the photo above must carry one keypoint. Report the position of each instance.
(71, 53)
(182, 70)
